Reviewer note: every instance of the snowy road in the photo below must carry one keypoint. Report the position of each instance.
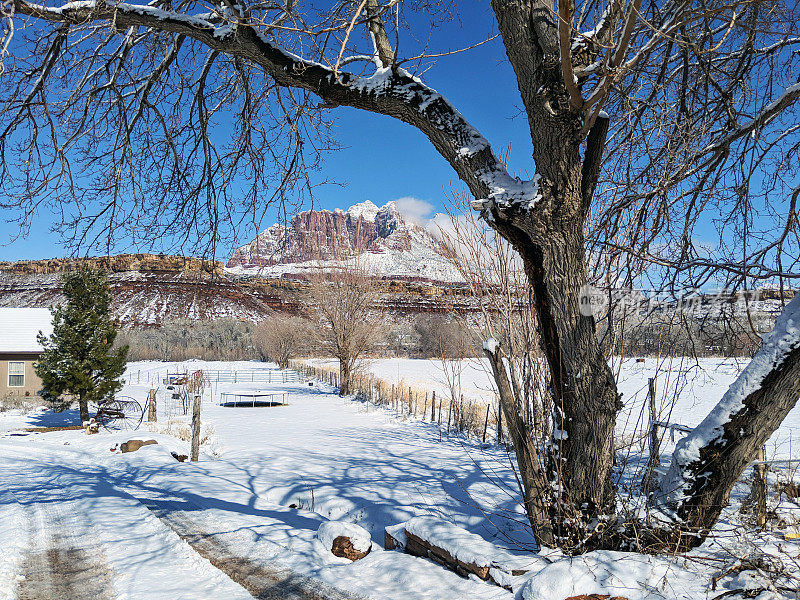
(60, 564)
(219, 548)
(71, 518)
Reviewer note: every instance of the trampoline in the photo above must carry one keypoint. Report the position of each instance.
(253, 398)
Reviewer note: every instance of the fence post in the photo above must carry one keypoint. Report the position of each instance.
(411, 407)
(499, 424)
(485, 423)
(760, 489)
(196, 428)
(655, 449)
(449, 415)
(151, 407)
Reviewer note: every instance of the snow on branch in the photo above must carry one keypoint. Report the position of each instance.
(773, 109)
(389, 91)
(781, 342)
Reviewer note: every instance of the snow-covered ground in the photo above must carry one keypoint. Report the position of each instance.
(686, 390)
(267, 479)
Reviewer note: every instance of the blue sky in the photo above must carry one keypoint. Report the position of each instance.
(383, 159)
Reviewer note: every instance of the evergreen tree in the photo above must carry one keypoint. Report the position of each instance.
(79, 362)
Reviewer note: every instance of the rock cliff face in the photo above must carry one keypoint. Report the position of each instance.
(389, 246)
(142, 263)
(149, 289)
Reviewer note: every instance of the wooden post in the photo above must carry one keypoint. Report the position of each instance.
(425, 407)
(433, 408)
(499, 425)
(410, 402)
(449, 415)
(196, 428)
(486, 423)
(151, 407)
(760, 490)
(655, 450)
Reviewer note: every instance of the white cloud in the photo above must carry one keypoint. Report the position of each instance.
(415, 210)
(442, 225)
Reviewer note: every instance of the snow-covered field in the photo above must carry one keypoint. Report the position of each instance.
(686, 389)
(269, 477)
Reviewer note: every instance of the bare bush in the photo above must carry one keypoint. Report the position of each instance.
(283, 338)
(223, 339)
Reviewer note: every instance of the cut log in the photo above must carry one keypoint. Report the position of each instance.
(419, 547)
(455, 549)
(345, 540)
(343, 547)
(394, 537)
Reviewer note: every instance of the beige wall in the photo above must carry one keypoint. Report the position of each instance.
(32, 383)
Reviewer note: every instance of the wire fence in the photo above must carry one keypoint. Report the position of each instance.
(453, 414)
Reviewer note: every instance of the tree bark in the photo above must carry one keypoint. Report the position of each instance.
(551, 243)
(344, 377)
(585, 394)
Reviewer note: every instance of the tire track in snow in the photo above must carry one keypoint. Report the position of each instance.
(59, 567)
(263, 582)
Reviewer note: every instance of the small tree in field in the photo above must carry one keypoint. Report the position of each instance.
(343, 299)
(79, 361)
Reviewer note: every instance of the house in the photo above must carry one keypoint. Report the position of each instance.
(19, 349)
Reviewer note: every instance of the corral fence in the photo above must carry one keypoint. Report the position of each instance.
(453, 413)
(757, 500)
(249, 376)
(174, 391)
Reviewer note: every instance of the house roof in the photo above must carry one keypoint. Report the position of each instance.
(19, 326)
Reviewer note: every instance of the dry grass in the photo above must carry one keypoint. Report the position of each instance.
(182, 430)
(24, 404)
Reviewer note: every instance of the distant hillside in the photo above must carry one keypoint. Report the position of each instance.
(149, 289)
(388, 246)
(146, 288)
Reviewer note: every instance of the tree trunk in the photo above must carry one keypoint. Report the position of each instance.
(344, 377)
(536, 495)
(584, 391)
(707, 463)
(83, 407)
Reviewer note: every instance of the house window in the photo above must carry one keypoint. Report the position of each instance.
(16, 374)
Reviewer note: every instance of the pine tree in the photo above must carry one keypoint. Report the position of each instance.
(79, 362)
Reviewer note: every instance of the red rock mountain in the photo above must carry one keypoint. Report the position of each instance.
(390, 246)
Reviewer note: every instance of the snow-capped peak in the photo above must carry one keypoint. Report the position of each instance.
(368, 210)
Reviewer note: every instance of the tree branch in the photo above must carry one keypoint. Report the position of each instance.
(394, 93)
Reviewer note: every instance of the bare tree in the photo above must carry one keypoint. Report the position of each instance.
(343, 298)
(650, 121)
(282, 338)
